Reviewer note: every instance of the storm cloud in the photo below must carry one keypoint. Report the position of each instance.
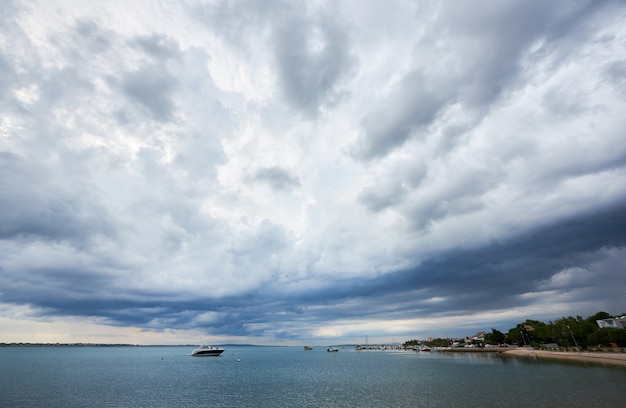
(319, 172)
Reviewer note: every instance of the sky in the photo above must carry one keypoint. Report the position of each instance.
(308, 172)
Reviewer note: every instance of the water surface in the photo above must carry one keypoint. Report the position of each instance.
(292, 377)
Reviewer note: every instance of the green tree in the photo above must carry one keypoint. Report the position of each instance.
(617, 337)
(606, 337)
(495, 337)
(598, 316)
(567, 332)
(514, 335)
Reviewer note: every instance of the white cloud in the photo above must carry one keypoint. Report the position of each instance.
(187, 154)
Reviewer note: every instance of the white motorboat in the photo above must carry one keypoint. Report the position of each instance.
(332, 349)
(207, 351)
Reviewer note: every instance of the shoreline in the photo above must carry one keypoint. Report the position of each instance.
(618, 359)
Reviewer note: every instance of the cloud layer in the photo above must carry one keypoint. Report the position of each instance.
(283, 172)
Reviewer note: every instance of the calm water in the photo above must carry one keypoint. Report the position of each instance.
(291, 377)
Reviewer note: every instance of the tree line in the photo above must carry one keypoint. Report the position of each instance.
(566, 332)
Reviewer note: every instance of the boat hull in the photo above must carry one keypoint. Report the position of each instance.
(207, 352)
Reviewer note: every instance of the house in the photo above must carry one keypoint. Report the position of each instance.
(614, 322)
(478, 337)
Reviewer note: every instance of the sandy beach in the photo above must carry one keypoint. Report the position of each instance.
(595, 357)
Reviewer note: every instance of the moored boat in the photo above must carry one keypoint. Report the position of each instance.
(207, 351)
(332, 349)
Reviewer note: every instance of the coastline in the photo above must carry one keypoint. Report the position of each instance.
(618, 359)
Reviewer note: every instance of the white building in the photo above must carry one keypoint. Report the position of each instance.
(614, 322)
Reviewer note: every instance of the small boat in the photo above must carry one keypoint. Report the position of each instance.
(308, 348)
(207, 351)
(425, 348)
(332, 349)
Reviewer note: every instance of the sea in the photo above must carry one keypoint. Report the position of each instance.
(257, 376)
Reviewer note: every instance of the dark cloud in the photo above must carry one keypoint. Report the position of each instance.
(276, 177)
(258, 247)
(6, 73)
(380, 199)
(158, 46)
(616, 74)
(313, 58)
(65, 88)
(152, 87)
(491, 46)
(495, 276)
(236, 20)
(497, 42)
(312, 55)
(93, 38)
(34, 205)
(412, 106)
